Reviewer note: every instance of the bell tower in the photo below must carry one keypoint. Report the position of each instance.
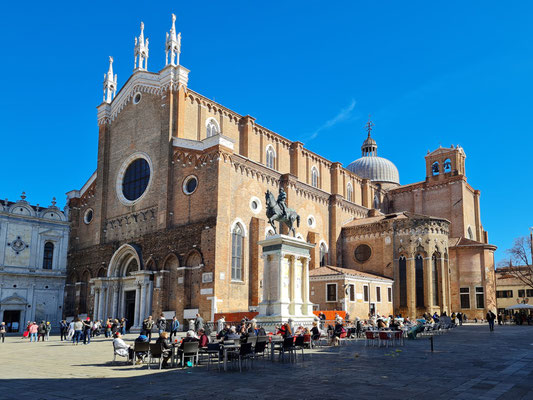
(445, 162)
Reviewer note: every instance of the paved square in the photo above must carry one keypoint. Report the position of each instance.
(469, 363)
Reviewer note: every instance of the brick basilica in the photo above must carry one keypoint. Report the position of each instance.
(171, 219)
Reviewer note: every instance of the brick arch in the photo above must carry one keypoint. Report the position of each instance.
(194, 258)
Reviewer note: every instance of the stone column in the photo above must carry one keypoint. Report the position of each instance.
(149, 294)
(142, 306)
(101, 303)
(114, 313)
(307, 307)
(292, 291)
(137, 308)
(96, 304)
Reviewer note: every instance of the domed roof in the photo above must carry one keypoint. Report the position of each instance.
(375, 168)
(372, 167)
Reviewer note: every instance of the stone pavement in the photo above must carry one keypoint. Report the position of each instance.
(468, 363)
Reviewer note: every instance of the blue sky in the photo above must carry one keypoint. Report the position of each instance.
(430, 74)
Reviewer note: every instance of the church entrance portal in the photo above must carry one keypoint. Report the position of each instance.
(12, 320)
(129, 302)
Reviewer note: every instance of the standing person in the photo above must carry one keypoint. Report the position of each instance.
(70, 333)
(48, 327)
(490, 318)
(3, 331)
(174, 327)
(123, 326)
(460, 318)
(78, 331)
(42, 331)
(87, 325)
(161, 324)
(33, 329)
(198, 323)
(148, 324)
(108, 328)
(63, 329)
(220, 324)
(500, 318)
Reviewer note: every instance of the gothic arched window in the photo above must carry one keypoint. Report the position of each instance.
(403, 281)
(323, 254)
(314, 177)
(435, 262)
(237, 239)
(48, 256)
(212, 127)
(419, 280)
(349, 192)
(270, 157)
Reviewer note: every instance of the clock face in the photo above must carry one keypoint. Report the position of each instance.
(363, 252)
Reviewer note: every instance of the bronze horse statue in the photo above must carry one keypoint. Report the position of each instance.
(275, 213)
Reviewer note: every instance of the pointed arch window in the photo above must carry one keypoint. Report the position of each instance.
(376, 202)
(314, 177)
(349, 192)
(323, 255)
(48, 256)
(470, 233)
(419, 280)
(435, 263)
(403, 281)
(237, 239)
(270, 157)
(212, 127)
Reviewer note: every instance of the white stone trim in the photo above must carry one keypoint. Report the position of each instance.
(314, 168)
(313, 224)
(215, 122)
(121, 258)
(203, 144)
(243, 226)
(323, 242)
(259, 205)
(270, 147)
(135, 96)
(122, 171)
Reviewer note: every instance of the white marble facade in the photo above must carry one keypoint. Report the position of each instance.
(33, 263)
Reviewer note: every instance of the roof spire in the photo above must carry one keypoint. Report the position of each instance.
(369, 147)
(369, 125)
(173, 44)
(141, 51)
(110, 83)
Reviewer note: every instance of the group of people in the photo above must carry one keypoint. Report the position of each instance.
(36, 332)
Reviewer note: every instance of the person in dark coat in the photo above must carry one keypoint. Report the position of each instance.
(490, 319)
(165, 346)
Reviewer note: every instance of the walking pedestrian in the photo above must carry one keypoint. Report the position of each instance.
(500, 318)
(3, 331)
(490, 318)
(42, 331)
(78, 331)
(198, 323)
(48, 327)
(161, 324)
(174, 327)
(148, 324)
(32, 329)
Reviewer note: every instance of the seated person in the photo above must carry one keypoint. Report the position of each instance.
(285, 330)
(141, 339)
(191, 337)
(260, 331)
(121, 348)
(232, 334)
(203, 338)
(315, 332)
(165, 346)
(223, 332)
(381, 324)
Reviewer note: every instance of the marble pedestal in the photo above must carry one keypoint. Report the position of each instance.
(285, 281)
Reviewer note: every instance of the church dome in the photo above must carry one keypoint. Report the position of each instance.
(375, 168)
(370, 166)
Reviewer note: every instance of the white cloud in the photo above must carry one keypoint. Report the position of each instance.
(341, 116)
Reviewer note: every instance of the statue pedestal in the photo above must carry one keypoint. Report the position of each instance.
(285, 281)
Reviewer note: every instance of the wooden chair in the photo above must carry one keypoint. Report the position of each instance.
(299, 345)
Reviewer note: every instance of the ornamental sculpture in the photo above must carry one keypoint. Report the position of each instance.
(277, 210)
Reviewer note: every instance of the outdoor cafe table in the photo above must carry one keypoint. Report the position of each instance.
(273, 342)
(174, 354)
(226, 348)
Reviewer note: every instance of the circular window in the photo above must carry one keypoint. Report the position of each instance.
(88, 217)
(190, 184)
(255, 205)
(363, 252)
(311, 221)
(134, 178)
(137, 98)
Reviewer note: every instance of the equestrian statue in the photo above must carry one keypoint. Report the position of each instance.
(277, 210)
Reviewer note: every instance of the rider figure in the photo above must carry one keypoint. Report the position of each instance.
(281, 201)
